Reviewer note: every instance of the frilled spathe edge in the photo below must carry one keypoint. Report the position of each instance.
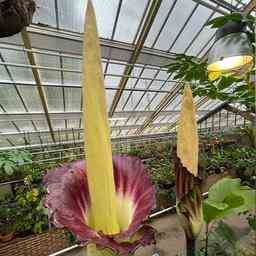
(68, 202)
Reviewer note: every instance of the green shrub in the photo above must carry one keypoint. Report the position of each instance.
(14, 164)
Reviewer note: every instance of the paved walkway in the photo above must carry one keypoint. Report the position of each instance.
(170, 237)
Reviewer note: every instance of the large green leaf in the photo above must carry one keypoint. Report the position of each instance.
(222, 20)
(220, 190)
(228, 197)
(9, 169)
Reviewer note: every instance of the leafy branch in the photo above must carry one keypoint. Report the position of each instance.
(229, 88)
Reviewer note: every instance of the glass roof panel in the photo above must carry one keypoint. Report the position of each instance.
(106, 11)
(204, 51)
(49, 76)
(17, 60)
(20, 74)
(4, 143)
(3, 74)
(58, 124)
(71, 77)
(166, 5)
(72, 99)
(168, 86)
(145, 101)
(54, 97)
(156, 100)
(14, 40)
(123, 100)
(17, 141)
(131, 13)
(31, 98)
(34, 140)
(146, 78)
(163, 75)
(195, 24)
(202, 39)
(6, 127)
(132, 81)
(71, 14)
(174, 24)
(134, 99)
(25, 126)
(9, 99)
(41, 125)
(45, 13)
(110, 96)
(141, 120)
(114, 69)
(119, 122)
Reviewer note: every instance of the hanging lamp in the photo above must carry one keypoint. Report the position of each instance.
(15, 15)
(232, 51)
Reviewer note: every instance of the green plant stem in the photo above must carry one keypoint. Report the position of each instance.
(206, 239)
(191, 246)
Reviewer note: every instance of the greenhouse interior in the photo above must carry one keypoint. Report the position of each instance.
(127, 127)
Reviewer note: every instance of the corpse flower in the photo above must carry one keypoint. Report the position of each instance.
(69, 202)
(103, 201)
(188, 181)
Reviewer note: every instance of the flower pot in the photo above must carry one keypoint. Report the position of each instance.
(7, 237)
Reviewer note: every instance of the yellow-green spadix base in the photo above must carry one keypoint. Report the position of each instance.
(93, 251)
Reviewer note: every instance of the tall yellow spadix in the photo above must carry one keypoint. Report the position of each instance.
(103, 214)
(187, 137)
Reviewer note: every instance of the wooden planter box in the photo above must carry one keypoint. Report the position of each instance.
(36, 245)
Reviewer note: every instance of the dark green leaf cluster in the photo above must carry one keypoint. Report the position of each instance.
(222, 241)
(187, 68)
(222, 20)
(22, 211)
(225, 88)
(12, 163)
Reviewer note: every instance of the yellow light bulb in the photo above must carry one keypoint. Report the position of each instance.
(230, 63)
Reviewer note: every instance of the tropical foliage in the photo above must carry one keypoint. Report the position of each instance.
(225, 88)
(228, 197)
(22, 211)
(239, 161)
(14, 164)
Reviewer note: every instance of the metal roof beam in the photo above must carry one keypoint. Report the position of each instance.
(69, 131)
(251, 6)
(36, 74)
(212, 112)
(245, 114)
(224, 4)
(129, 139)
(153, 10)
(46, 39)
(35, 116)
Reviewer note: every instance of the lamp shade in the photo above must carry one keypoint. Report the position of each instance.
(232, 51)
(15, 15)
